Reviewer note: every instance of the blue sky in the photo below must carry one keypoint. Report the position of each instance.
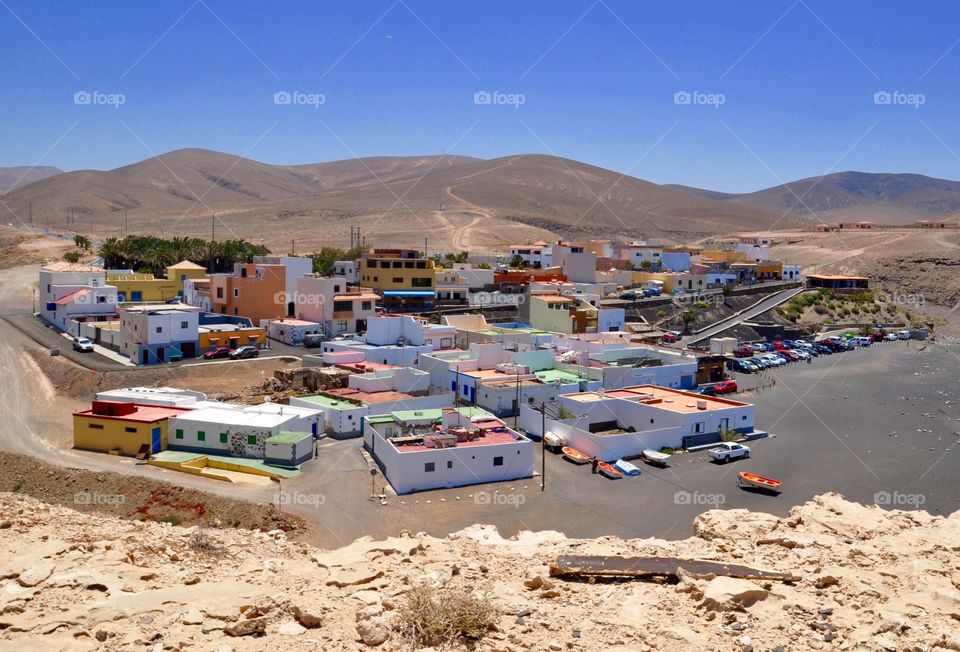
(778, 90)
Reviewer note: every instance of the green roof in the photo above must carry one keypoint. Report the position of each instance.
(329, 401)
(287, 437)
(435, 413)
(552, 375)
(380, 418)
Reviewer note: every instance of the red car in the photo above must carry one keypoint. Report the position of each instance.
(744, 352)
(219, 352)
(726, 387)
(790, 355)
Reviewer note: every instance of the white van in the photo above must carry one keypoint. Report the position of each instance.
(861, 341)
(904, 335)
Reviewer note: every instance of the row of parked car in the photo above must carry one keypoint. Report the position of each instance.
(758, 356)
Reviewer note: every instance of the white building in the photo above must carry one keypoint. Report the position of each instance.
(471, 447)
(792, 273)
(579, 265)
(537, 254)
(477, 279)
(675, 261)
(348, 269)
(624, 422)
(296, 267)
(70, 292)
(159, 333)
(327, 300)
(238, 430)
(291, 331)
(160, 396)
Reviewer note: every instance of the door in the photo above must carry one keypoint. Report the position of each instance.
(136, 295)
(155, 440)
(160, 353)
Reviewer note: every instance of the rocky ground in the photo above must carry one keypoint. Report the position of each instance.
(869, 580)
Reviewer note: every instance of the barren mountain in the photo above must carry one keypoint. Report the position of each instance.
(846, 196)
(21, 175)
(396, 199)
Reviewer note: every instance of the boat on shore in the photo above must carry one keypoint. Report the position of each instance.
(575, 456)
(655, 458)
(554, 440)
(758, 481)
(626, 467)
(609, 471)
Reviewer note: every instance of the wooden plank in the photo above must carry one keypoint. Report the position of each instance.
(641, 567)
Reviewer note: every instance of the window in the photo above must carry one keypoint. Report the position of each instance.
(179, 434)
(342, 306)
(698, 427)
(129, 429)
(449, 464)
(183, 324)
(366, 305)
(159, 329)
(236, 292)
(429, 467)
(201, 436)
(96, 426)
(219, 293)
(223, 438)
(498, 460)
(651, 420)
(342, 326)
(251, 440)
(422, 282)
(336, 288)
(398, 279)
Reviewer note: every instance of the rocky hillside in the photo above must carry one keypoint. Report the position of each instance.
(868, 580)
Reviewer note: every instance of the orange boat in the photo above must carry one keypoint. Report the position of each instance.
(758, 481)
(609, 470)
(574, 455)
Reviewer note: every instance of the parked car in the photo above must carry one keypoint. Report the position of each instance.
(739, 365)
(904, 335)
(725, 387)
(706, 390)
(789, 355)
(822, 349)
(728, 451)
(758, 363)
(744, 351)
(245, 352)
(800, 353)
(628, 296)
(775, 359)
(891, 337)
(861, 341)
(802, 344)
(672, 336)
(877, 336)
(219, 352)
(82, 344)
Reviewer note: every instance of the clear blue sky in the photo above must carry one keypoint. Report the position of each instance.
(598, 80)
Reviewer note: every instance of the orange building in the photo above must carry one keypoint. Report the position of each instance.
(529, 275)
(254, 290)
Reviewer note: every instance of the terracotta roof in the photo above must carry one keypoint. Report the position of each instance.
(64, 266)
(186, 264)
(68, 298)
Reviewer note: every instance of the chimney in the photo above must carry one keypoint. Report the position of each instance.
(701, 404)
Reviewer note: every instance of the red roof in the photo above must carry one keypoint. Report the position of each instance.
(137, 412)
(371, 398)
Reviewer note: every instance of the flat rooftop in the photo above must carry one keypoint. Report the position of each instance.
(142, 414)
(370, 398)
(664, 398)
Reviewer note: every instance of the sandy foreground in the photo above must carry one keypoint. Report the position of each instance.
(870, 580)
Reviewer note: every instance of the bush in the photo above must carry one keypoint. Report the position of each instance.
(204, 543)
(172, 519)
(661, 314)
(437, 617)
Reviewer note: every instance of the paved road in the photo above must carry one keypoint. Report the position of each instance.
(760, 308)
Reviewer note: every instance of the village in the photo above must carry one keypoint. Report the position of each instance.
(451, 374)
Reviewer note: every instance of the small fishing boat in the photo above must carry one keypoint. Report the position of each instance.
(655, 457)
(758, 481)
(575, 456)
(554, 440)
(609, 471)
(626, 467)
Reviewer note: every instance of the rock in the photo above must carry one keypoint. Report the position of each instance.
(306, 618)
(291, 628)
(192, 617)
(101, 635)
(728, 594)
(824, 581)
(193, 579)
(352, 577)
(556, 647)
(537, 582)
(6, 525)
(36, 573)
(374, 631)
(246, 627)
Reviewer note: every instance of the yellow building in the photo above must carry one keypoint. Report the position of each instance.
(183, 270)
(122, 428)
(723, 256)
(234, 336)
(673, 280)
(404, 279)
(144, 288)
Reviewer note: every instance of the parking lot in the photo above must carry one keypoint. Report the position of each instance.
(875, 424)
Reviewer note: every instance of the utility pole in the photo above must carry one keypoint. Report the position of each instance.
(213, 228)
(293, 247)
(516, 417)
(425, 247)
(31, 212)
(543, 446)
(126, 226)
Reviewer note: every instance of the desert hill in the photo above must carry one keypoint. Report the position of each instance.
(21, 175)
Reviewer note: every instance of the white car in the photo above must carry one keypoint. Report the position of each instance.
(774, 359)
(904, 335)
(729, 451)
(82, 344)
(800, 353)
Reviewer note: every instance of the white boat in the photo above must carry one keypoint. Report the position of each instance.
(554, 440)
(626, 467)
(655, 457)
